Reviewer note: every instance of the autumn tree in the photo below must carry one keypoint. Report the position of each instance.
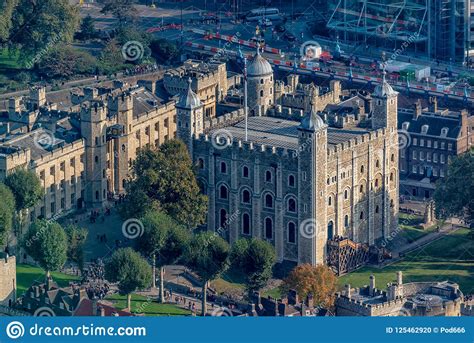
(254, 258)
(319, 281)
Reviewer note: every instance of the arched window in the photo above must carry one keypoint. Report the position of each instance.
(223, 218)
(223, 192)
(377, 164)
(268, 176)
(291, 180)
(391, 203)
(97, 195)
(330, 230)
(223, 168)
(291, 205)
(361, 188)
(201, 163)
(261, 81)
(268, 228)
(346, 221)
(377, 209)
(97, 159)
(346, 194)
(261, 93)
(246, 196)
(291, 232)
(361, 169)
(330, 200)
(246, 224)
(245, 171)
(392, 158)
(391, 176)
(361, 215)
(376, 183)
(269, 201)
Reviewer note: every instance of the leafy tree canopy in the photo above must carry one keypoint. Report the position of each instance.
(7, 210)
(454, 194)
(254, 258)
(46, 243)
(26, 188)
(319, 281)
(76, 238)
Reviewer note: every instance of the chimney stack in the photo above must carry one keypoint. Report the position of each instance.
(417, 109)
(348, 291)
(372, 285)
(433, 104)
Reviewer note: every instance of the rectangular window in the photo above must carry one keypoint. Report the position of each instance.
(422, 155)
(441, 158)
(422, 142)
(415, 141)
(428, 143)
(414, 154)
(414, 169)
(450, 146)
(443, 145)
(435, 144)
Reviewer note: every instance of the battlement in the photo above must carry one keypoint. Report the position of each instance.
(59, 152)
(226, 119)
(363, 138)
(157, 111)
(241, 145)
(467, 310)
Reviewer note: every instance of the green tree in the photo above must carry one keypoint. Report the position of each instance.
(27, 190)
(7, 210)
(123, 10)
(130, 270)
(164, 241)
(164, 50)
(46, 243)
(88, 30)
(66, 61)
(76, 238)
(111, 59)
(208, 255)
(6, 12)
(39, 25)
(254, 258)
(165, 177)
(454, 194)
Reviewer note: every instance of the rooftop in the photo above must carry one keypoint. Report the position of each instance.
(283, 133)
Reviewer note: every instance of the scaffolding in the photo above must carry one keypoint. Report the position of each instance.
(435, 28)
(382, 22)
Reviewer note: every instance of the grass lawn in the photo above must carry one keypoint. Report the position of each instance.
(9, 60)
(27, 274)
(143, 305)
(229, 283)
(411, 230)
(449, 258)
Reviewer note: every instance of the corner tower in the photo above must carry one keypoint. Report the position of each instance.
(260, 85)
(385, 107)
(312, 167)
(190, 117)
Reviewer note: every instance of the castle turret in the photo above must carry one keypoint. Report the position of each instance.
(312, 166)
(190, 117)
(122, 107)
(385, 106)
(93, 130)
(260, 85)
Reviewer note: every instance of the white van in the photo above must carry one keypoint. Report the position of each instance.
(261, 13)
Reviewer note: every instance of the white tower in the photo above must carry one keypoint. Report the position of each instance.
(260, 85)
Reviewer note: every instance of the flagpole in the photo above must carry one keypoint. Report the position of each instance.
(245, 98)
